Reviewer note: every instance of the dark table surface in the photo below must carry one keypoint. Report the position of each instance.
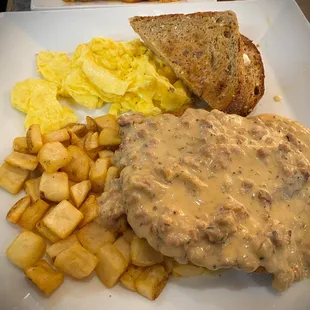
(24, 5)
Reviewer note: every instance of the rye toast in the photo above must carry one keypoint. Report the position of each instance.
(205, 50)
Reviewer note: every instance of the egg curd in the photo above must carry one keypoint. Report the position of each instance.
(38, 99)
(125, 74)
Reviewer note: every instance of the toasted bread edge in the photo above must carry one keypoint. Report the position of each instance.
(252, 88)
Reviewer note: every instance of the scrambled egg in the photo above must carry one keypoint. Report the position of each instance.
(38, 99)
(125, 74)
(54, 67)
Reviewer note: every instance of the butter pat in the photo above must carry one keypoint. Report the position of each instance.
(246, 60)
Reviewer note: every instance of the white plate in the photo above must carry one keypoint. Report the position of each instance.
(283, 35)
(60, 4)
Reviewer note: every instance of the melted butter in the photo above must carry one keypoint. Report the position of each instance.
(219, 191)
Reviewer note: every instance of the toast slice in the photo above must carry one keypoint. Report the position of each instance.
(204, 50)
(253, 80)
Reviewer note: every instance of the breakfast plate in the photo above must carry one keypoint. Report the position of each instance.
(60, 4)
(285, 49)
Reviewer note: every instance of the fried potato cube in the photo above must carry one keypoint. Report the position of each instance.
(95, 194)
(93, 154)
(32, 188)
(123, 225)
(180, 270)
(18, 209)
(76, 261)
(98, 173)
(129, 235)
(54, 186)
(44, 276)
(76, 140)
(78, 129)
(152, 281)
(91, 124)
(46, 232)
(34, 139)
(78, 168)
(66, 143)
(70, 125)
(93, 236)
(79, 191)
(53, 156)
(124, 247)
(112, 264)
(89, 209)
(63, 219)
(20, 145)
(142, 254)
(128, 279)
(71, 183)
(105, 154)
(109, 137)
(60, 135)
(113, 173)
(107, 121)
(168, 264)
(88, 134)
(54, 249)
(33, 214)
(91, 142)
(23, 161)
(12, 179)
(26, 249)
(40, 169)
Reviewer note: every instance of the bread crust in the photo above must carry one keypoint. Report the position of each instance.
(253, 81)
